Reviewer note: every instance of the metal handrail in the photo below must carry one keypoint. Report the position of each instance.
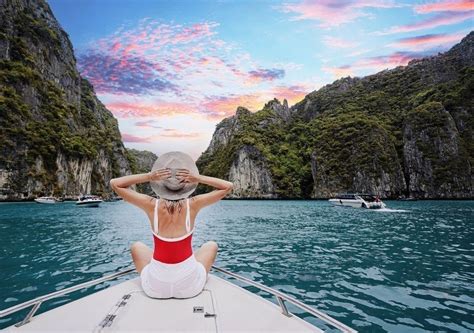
(281, 297)
(36, 302)
(284, 297)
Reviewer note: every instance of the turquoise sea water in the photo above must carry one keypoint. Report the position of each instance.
(407, 270)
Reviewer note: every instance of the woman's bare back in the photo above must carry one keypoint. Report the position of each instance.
(173, 226)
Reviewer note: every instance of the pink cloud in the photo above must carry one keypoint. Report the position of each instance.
(219, 107)
(445, 18)
(147, 124)
(445, 6)
(332, 13)
(158, 109)
(292, 94)
(340, 71)
(375, 64)
(168, 133)
(196, 31)
(174, 133)
(263, 74)
(428, 41)
(135, 139)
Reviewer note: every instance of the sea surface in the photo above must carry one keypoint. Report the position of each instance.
(406, 269)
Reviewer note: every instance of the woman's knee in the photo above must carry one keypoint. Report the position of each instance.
(136, 246)
(212, 245)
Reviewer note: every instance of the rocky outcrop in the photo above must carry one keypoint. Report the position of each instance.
(250, 175)
(142, 162)
(56, 137)
(225, 130)
(408, 131)
(436, 163)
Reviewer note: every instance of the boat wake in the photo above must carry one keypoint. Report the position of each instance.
(390, 210)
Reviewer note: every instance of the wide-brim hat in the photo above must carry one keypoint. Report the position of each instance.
(171, 188)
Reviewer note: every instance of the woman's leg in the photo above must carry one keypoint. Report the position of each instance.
(206, 254)
(141, 255)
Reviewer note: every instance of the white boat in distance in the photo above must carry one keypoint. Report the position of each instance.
(222, 306)
(356, 200)
(46, 200)
(88, 200)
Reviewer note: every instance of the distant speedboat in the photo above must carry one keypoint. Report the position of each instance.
(46, 200)
(408, 199)
(358, 201)
(88, 201)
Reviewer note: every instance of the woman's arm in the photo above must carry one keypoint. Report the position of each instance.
(218, 183)
(120, 186)
(202, 200)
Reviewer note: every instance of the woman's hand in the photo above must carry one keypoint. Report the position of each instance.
(186, 177)
(159, 174)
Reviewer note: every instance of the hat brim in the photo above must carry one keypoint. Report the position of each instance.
(163, 192)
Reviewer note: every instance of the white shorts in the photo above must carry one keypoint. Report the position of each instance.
(182, 280)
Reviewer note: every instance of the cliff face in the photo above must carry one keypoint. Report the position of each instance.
(408, 131)
(250, 174)
(56, 137)
(142, 162)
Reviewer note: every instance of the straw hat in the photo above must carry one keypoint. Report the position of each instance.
(171, 188)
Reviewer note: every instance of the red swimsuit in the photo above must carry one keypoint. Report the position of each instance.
(172, 250)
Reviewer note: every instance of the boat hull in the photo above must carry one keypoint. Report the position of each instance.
(356, 203)
(346, 203)
(88, 204)
(45, 201)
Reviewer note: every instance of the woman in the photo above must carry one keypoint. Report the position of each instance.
(172, 269)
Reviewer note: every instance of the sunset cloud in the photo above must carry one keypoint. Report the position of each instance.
(134, 139)
(123, 75)
(292, 94)
(445, 18)
(148, 109)
(375, 64)
(219, 107)
(262, 74)
(147, 124)
(427, 41)
(332, 13)
(445, 6)
(338, 72)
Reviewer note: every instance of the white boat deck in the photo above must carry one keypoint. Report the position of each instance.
(231, 308)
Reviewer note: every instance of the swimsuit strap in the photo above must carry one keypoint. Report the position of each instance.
(155, 219)
(188, 217)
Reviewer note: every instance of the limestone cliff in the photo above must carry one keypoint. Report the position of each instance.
(408, 131)
(56, 137)
(141, 161)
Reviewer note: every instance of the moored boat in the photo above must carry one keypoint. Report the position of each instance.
(357, 200)
(88, 200)
(46, 200)
(222, 306)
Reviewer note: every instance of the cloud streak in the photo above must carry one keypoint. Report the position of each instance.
(332, 13)
(445, 6)
(375, 64)
(446, 18)
(428, 41)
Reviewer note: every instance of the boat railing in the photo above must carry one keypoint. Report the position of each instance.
(281, 298)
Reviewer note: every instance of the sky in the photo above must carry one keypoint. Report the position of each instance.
(170, 71)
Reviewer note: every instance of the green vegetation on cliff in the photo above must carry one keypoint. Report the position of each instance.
(49, 115)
